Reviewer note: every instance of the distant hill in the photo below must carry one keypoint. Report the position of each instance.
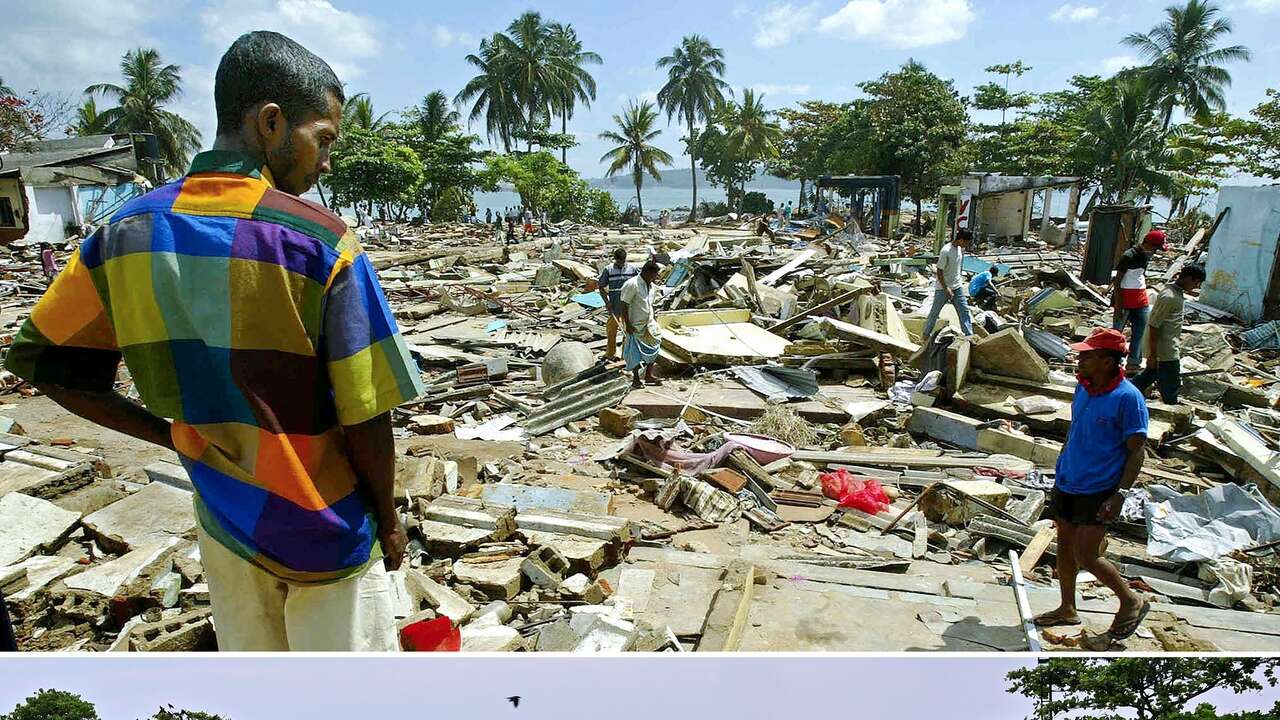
(683, 179)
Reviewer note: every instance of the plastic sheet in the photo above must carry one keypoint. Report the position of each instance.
(854, 491)
(1194, 528)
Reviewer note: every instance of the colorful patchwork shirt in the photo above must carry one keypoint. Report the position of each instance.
(253, 320)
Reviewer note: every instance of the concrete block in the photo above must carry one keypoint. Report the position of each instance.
(107, 579)
(171, 474)
(80, 606)
(607, 634)
(466, 512)
(186, 632)
(440, 598)
(39, 573)
(29, 525)
(581, 617)
(155, 512)
(1008, 353)
(949, 507)
(431, 424)
(489, 638)
(194, 597)
(585, 555)
(443, 540)
(545, 567)
(500, 580)
(557, 637)
(530, 497)
(618, 421)
(581, 587)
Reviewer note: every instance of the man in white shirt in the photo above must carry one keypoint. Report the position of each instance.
(948, 286)
(640, 349)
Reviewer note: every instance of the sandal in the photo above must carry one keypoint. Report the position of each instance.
(1054, 618)
(1130, 626)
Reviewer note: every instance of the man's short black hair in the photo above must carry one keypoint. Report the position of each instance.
(995, 270)
(264, 66)
(650, 267)
(1194, 272)
(964, 234)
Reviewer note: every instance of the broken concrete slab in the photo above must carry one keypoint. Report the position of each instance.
(529, 497)
(444, 540)
(182, 633)
(443, 600)
(107, 579)
(585, 555)
(500, 580)
(953, 506)
(489, 638)
(171, 474)
(154, 512)
(1008, 353)
(29, 525)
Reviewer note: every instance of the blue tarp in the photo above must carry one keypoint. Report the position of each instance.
(972, 264)
(591, 299)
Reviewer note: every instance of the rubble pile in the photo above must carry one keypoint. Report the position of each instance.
(809, 467)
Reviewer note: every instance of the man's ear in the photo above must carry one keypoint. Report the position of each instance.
(271, 124)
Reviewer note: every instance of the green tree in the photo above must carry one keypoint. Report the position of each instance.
(1185, 62)
(88, 120)
(723, 167)
(912, 124)
(695, 87)
(433, 116)
(53, 705)
(1124, 146)
(634, 149)
(1148, 688)
(576, 83)
(358, 114)
(991, 96)
(150, 85)
(536, 75)
(1203, 154)
(490, 94)
(806, 141)
(372, 169)
(751, 131)
(1260, 138)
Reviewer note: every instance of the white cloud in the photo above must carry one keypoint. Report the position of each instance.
(781, 89)
(777, 25)
(1068, 12)
(1116, 63)
(444, 37)
(900, 23)
(344, 39)
(642, 96)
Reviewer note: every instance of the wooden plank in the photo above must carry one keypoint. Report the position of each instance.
(1024, 605)
(728, 615)
(903, 349)
(928, 459)
(790, 267)
(1035, 549)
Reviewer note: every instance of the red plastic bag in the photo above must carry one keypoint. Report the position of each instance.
(438, 635)
(854, 491)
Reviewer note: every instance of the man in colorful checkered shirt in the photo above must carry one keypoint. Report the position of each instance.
(253, 320)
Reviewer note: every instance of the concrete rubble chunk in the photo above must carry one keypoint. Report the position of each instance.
(500, 580)
(440, 598)
(29, 525)
(1008, 353)
(545, 567)
(189, 631)
(155, 512)
(107, 579)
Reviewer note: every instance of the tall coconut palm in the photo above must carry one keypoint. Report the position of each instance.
(531, 68)
(752, 134)
(489, 92)
(150, 85)
(434, 116)
(88, 120)
(695, 87)
(635, 132)
(357, 112)
(1185, 63)
(576, 84)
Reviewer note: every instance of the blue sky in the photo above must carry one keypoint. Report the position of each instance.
(798, 49)
(631, 688)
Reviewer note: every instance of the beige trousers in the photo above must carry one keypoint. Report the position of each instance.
(254, 610)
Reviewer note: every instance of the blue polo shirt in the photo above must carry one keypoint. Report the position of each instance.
(979, 281)
(1095, 454)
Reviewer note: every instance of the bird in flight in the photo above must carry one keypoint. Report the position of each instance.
(514, 700)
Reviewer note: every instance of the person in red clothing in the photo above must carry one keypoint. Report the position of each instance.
(1129, 293)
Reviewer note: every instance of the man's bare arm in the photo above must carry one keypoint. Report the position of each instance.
(1137, 445)
(373, 457)
(114, 411)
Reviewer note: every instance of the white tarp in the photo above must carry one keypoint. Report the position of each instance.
(1194, 528)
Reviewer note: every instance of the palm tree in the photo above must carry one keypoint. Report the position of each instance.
(88, 120)
(530, 68)
(694, 88)
(576, 84)
(1185, 63)
(434, 116)
(357, 112)
(489, 92)
(1122, 135)
(149, 86)
(634, 150)
(750, 132)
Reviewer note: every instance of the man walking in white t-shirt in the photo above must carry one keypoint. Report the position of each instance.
(947, 285)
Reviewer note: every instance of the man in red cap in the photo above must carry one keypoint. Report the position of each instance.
(1103, 455)
(1129, 293)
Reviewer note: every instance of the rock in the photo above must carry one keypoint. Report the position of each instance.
(618, 421)
(565, 360)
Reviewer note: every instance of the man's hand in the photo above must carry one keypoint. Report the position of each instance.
(394, 540)
(1110, 510)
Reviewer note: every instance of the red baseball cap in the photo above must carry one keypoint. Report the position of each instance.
(1156, 238)
(1103, 339)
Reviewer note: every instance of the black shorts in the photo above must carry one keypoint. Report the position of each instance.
(1078, 509)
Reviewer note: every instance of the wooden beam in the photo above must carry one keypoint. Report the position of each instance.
(820, 307)
(1035, 549)
(728, 615)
